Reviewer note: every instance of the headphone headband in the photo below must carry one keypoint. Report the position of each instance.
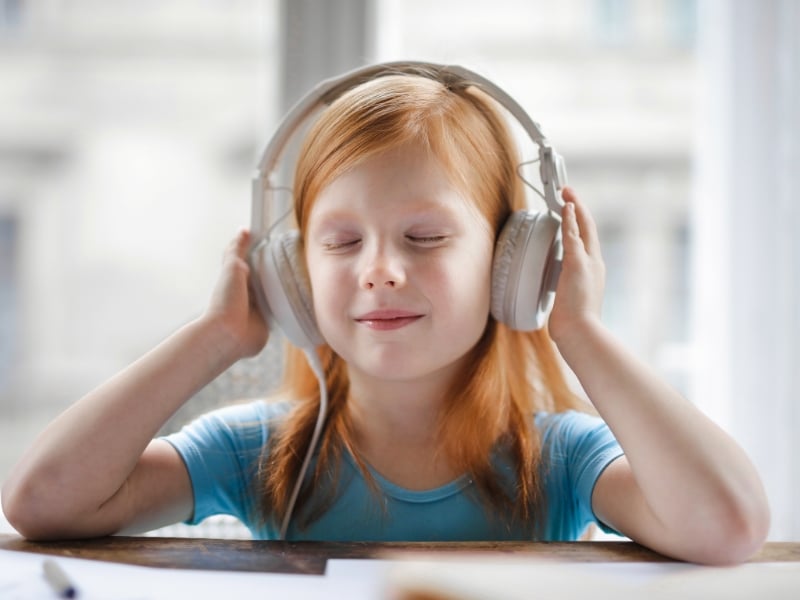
(552, 168)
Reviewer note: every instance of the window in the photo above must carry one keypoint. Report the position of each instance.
(8, 299)
(613, 25)
(10, 14)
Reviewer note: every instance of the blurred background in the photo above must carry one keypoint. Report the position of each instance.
(129, 132)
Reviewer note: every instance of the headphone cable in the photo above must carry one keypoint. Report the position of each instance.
(316, 366)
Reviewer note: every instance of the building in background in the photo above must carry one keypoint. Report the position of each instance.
(128, 132)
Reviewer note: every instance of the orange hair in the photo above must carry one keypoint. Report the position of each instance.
(508, 375)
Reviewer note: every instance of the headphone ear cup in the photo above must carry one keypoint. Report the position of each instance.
(527, 262)
(283, 289)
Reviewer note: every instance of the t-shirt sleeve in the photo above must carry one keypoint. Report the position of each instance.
(221, 451)
(576, 449)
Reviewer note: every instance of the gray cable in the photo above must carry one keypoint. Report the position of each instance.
(316, 366)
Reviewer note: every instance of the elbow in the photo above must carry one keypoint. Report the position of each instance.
(19, 507)
(41, 511)
(740, 530)
(748, 532)
(29, 513)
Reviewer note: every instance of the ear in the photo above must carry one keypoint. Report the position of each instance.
(280, 276)
(527, 261)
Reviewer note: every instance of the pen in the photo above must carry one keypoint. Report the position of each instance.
(58, 580)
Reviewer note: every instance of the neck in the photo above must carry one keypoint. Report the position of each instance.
(407, 410)
(395, 426)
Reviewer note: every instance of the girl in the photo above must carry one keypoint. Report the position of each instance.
(443, 423)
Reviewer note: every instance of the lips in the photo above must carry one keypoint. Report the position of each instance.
(387, 319)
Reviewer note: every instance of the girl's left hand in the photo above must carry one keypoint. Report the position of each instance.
(579, 294)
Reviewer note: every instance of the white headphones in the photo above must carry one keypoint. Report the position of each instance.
(528, 252)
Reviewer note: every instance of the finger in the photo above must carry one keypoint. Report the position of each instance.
(585, 222)
(242, 243)
(570, 232)
(237, 247)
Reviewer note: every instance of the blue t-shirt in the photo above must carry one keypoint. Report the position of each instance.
(222, 451)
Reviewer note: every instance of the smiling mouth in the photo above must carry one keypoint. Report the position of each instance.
(381, 322)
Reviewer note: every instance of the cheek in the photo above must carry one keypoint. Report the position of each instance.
(467, 282)
(482, 279)
(330, 285)
(316, 277)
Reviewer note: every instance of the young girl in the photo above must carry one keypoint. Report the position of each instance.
(443, 424)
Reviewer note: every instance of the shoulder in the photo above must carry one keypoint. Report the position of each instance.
(238, 427)
(250, 413)
(221, 451)
(576, 447)
(573, 433)
(570, 422)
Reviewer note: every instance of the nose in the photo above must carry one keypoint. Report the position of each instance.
(383, 268)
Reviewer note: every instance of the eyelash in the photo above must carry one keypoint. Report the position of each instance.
(426, 239)
(333, 246)
(422, 239)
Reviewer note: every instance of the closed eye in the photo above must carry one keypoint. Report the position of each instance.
(339, 245)
(427, 240)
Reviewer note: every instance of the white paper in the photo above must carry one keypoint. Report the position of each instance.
(492, 577)
(21, 579)
(518, 578)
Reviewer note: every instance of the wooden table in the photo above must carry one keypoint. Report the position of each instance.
(311, 557)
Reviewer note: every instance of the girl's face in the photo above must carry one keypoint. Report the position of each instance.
(400, 267)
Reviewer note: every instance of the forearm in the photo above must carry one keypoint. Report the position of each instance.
(86, 454)
(690, 472)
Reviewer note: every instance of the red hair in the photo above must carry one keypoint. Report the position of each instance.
(508, 375)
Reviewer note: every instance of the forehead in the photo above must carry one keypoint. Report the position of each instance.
(407, 179)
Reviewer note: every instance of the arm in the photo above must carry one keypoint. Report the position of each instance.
(684, 487)
(94, 470)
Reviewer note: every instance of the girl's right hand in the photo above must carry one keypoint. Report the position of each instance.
(233, 304)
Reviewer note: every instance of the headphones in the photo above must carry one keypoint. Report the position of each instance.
(528, 251)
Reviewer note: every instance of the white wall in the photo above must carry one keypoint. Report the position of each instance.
(747, 254)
